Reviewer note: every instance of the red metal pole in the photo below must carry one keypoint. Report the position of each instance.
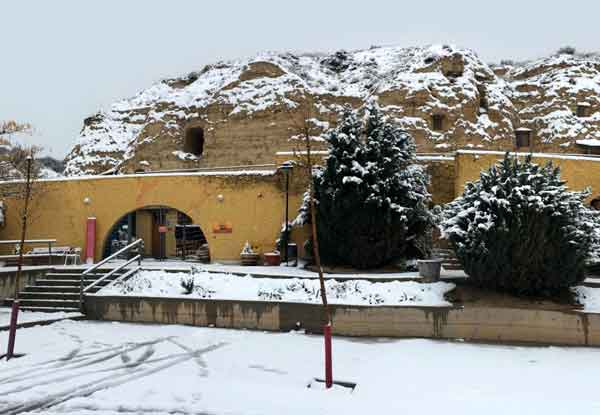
(12, 331)
(328, 363)
(90, 240)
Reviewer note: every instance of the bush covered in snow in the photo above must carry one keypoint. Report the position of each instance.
(518, 229)
(371, 195)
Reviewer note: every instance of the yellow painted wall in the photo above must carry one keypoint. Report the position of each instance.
(143, 229)
(578, 171)
(252, 204)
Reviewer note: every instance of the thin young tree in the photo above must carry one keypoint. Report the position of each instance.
(306, 134)
(19, 172)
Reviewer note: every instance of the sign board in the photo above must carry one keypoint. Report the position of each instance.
(222, 228)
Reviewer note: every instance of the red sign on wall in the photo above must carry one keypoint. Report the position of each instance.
(222, 228)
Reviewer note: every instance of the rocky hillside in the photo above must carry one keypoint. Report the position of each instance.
(246, 110)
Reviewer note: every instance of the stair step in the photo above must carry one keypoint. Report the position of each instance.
(452, 267)
(49, 303)
(71, 283)
(69, 276)
(52, 288)
(50, 309)
(48, 296)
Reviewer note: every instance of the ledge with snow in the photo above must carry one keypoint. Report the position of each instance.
(359, 308)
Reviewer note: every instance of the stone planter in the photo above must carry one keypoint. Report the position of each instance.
(249, 260)
(272, 258)
(430, 269)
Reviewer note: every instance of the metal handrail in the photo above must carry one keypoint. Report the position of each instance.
(124, 276)
(112, 272)
(104, 261)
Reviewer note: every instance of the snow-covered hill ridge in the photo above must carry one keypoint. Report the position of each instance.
(247, 104)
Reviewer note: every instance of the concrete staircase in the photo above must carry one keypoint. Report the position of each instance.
(450, 262)
(59, 290)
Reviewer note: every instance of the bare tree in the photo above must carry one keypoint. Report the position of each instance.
(19, 172)
(306, 133)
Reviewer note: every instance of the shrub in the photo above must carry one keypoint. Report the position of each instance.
(187, 284)
(371, 195)
(567, 50)
(518, 229)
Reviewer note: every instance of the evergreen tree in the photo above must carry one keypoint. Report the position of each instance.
(519, 229)
(372, 197)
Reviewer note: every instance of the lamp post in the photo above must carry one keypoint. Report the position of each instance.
(286, 168)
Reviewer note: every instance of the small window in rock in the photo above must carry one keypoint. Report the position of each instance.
(582, 109)
(438, 122)
(194, 141)
(523, 137)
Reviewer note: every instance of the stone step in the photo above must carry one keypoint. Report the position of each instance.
(452, 267)
(62, 304)
(70, 283)
(50, 309)
(75, 276)
(52, 288)
(49, 296)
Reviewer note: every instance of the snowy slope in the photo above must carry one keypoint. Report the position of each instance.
(481, 108)
(436, 78)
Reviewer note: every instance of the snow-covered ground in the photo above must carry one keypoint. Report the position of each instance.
(31, 316)
(111, 368)
(224, 286)
(276, 271)
(588, 297)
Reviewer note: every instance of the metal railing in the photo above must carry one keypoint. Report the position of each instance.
(90, 271)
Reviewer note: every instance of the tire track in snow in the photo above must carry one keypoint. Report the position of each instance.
(106, 382)
(81, 361)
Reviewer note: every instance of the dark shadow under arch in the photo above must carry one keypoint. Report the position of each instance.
(167, 233)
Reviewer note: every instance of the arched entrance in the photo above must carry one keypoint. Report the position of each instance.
(167, 233)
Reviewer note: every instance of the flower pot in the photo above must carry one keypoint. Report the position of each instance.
(249, 259)
(430, 269)
(272, 258)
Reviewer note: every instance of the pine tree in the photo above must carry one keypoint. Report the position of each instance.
(518, 229)
(372, 197)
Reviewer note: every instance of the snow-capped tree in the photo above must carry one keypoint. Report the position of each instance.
(519, 229)
(372, 196)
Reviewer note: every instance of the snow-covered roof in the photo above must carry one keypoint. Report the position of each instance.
(592, 142)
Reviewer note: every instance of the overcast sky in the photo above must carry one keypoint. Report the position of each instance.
(62, 60)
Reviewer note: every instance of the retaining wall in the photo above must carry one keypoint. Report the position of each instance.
(472, 322)
(8, 280)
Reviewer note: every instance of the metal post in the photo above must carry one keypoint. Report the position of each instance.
(287, 199)
(328, 362)
(50, 253)
(12, 331)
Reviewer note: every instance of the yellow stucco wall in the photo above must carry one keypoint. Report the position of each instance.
(252, 205)
(579, 172)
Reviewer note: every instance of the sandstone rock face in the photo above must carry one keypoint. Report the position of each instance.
(550, 92)
(242, 112)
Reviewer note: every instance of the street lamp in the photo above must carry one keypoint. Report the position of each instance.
(286, 168)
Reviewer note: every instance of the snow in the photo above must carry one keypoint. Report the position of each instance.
(112, 135)
(103, 368)
(32, 316)
(216, 172)
(591, 142)
(246, 288)
(588, 297)
(541, 155)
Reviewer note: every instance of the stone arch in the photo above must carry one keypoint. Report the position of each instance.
(157, 216)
